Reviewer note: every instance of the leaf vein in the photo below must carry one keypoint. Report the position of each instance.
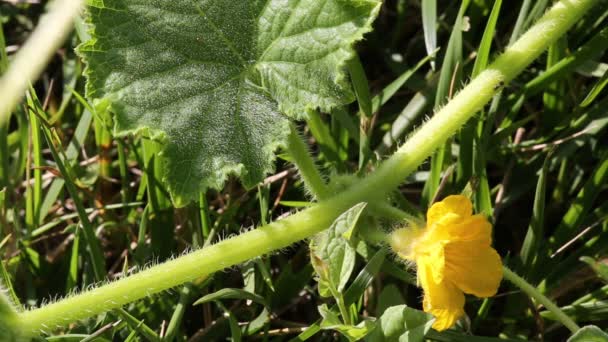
(219, 32)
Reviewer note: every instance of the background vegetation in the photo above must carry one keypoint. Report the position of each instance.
(536, 162)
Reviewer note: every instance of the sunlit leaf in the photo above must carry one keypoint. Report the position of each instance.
(333, 256)
(589, 333)
(213, 78)
(403, 324)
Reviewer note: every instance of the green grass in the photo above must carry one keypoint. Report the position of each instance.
(79, 205)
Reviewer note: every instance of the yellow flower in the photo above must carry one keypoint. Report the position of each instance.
(453, 255)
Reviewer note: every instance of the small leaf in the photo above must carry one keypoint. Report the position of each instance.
(355, 332)
(331, 321)
(333, 257)
(324, 289)
(231, 294)
(403, 324)
(390, 296)
(257, 323)
(330, 318)
(589, 333)
(213, 78)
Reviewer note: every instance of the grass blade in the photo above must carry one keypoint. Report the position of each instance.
(534, 236)
(429, 27)
(138, 325)
(596, 90)
(483, 52)
(94, 247)
(582, 204)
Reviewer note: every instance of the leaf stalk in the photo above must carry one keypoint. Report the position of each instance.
(540, 298)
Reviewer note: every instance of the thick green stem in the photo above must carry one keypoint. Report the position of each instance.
(304, 224)
(539, 297)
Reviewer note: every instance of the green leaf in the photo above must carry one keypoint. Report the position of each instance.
(329, 317)
(331, 321)
(333, 256)
(389, 296)
(403, 324)
(257, 323)
(355, 332)
(212, 78)
(354, 291)
(589, 333)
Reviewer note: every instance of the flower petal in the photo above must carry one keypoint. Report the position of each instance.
(476, 268)
(442, 299)
(474, 228)
(445, 319)
(450, 208)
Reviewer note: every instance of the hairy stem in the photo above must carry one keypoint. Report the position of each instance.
(304, 224)
(540, 298)
(306, 165)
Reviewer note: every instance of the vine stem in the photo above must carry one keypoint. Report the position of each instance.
(539, 297)
(316, 218)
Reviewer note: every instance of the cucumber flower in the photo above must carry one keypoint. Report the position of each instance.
(453, 255)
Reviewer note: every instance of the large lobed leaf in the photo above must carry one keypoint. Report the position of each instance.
(213, 78)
